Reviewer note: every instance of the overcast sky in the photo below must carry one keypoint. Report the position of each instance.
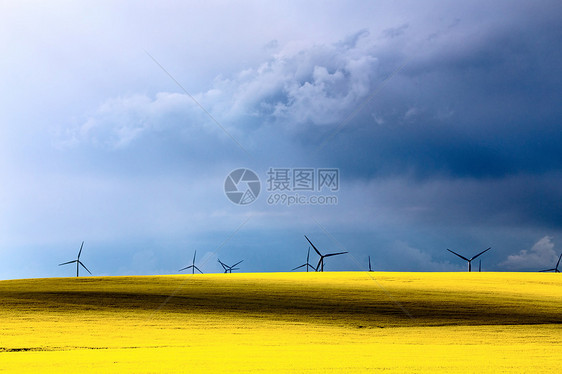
(121, 121)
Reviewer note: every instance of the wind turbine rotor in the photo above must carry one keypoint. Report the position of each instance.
(469, 260)
(473, 257)
(78, 262)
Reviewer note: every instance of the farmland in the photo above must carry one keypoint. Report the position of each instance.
(284, 322)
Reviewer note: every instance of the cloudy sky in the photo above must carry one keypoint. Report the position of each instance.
(121, 121)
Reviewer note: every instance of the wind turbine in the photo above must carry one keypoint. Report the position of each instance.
(555, 269)
(321, 261)
(192, 266)
(469, 259)
(305, 264)
(78, 262)
(228, 269)
(370, 269)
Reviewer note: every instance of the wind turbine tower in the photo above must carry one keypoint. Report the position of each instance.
(469, 260)
(192, 266)
(321, 261)
(228, 269)
(307, 264)
(78, 262)
(555, 269)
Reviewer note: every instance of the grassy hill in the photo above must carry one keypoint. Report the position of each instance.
(312, 322)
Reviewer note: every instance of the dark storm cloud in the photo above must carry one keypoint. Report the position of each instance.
(483, 110)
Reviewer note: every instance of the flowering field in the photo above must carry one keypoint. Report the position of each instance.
(284, 322)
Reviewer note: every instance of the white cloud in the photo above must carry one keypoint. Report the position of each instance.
(313, 85)
(541, 255)
(120, 121)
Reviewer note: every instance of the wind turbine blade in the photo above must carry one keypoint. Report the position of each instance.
(80, 251)
(195, 254)
(69, 262)
(298, 267)
(455, 253)
(558, 263)
(317, 251)
(85, 267)
(335, 254)
(224, 266)
(480, 253)
(547, 270)
(185, 268)
(196, 268)
(239, 262)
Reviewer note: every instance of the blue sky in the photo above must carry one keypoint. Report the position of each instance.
(120, 123)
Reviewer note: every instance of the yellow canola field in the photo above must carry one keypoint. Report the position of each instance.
(284, 322)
